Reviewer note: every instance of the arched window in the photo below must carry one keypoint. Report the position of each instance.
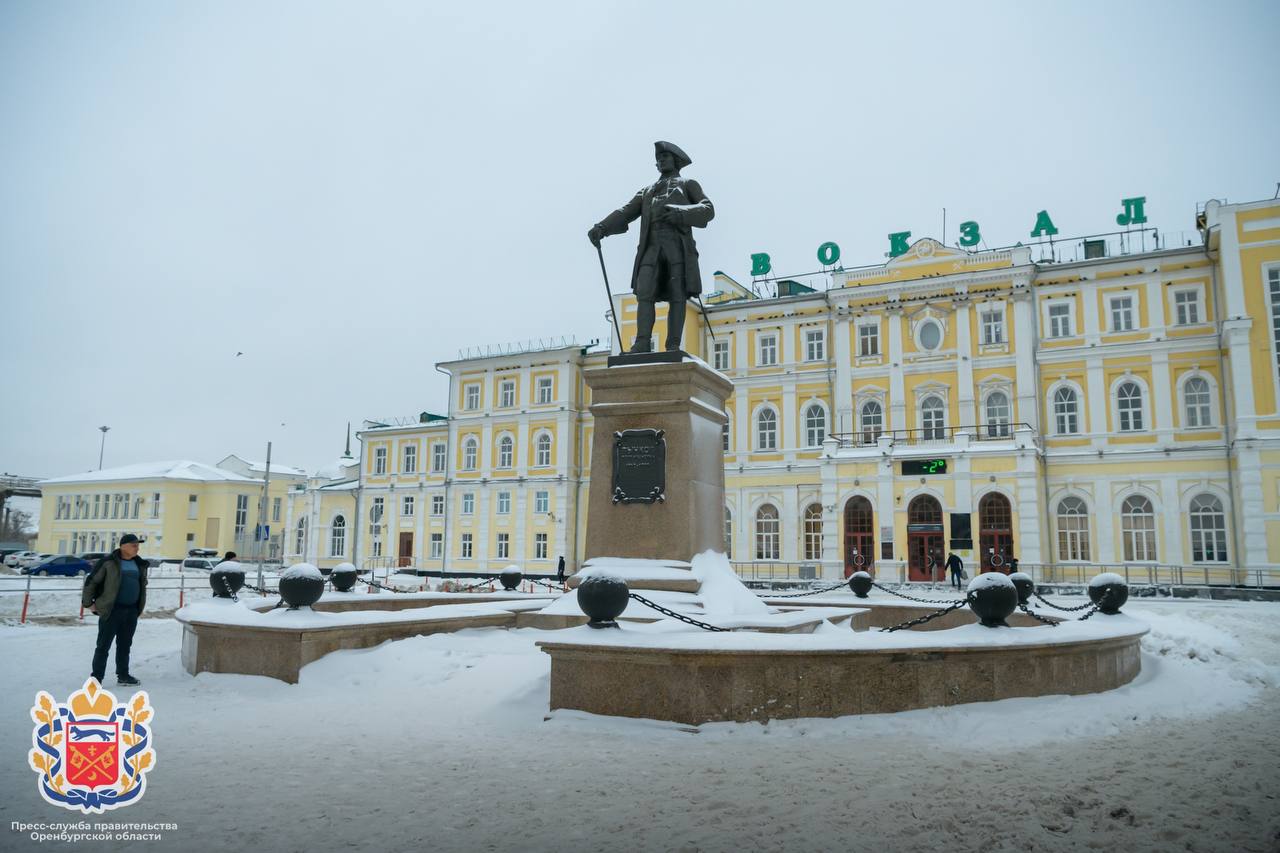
(301, 538)
(1208, 530)
(469, 452)
(1073, 529)
(728, 533)
(1195, 398)
(1066, 411)
(338, 537)
(767, 430)
(506, 452)
(997, 414)
(542, 451)
(933, 418)
(1138, 529)
(813, 532)
(871, 419)
(815, 425)
(768, 533)
(1129, 407)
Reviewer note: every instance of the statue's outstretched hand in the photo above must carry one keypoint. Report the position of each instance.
(595, 235)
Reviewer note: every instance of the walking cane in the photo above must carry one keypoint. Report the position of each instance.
(609, 296)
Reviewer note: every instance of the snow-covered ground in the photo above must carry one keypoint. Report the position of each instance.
(441, 743)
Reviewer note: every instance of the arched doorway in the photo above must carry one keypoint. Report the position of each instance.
(995, 532)
(925, 559)
(859, 537)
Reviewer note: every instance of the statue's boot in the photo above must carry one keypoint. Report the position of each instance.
(675, 325)
(642, 345)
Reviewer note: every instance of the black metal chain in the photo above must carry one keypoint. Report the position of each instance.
(913, 598)
(1037, 616)
(674, 615)
(911, 623)
(260, 590)
(1087, 615)
(371, 582)
(810, 592)
(227, 586)
(476, 585)
(555, 587)
(1043, 600)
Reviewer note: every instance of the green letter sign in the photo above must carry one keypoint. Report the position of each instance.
(828, 253)
(898, 243)
(969, 235)
(1133, 212)
(760, 264)
(1044, 225)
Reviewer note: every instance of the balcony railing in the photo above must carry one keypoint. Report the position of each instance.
(929, 436)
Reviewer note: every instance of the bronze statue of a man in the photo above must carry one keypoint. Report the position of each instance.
(666, 268)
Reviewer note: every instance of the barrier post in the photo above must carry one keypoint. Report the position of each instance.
(182, 587)
(26, 597)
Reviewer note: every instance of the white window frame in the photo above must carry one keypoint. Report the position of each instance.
(540, 546)
(1053, 406)
(774, 441)
(542, 501)
(1210, 405)
(1049, 326)
(1128, 315)
(467, 547)
(379, 460)
(409, 458)
(468, 503)
(808, 429)
(439, 457)
(1144, 410)
(815, 344)
(996, 311)
(507, 394)
(811, 524)
(435, 545)
(506, 451)
(768, 533)
(471, 396)
(546, 390)
(923, 397)
(1194, 290)
(1133, 550)
(873, 327)
(918, 334)
(338, 536)
(720, 355)
(503, 542)
(997, 429)
(1220, 546)
(1072, 544)
(767, 345)
(542, 451)
(407, 506)
(504, 502)
(868, 434)
(437, 505)
(470, 453)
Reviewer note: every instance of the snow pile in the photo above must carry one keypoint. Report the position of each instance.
(512, 569)
(722, 593)
(1107, 578)
(302, 570)
(231, 567)
(345, 567)
(987, 580)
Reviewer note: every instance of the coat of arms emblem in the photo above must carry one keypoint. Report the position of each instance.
(92, 753)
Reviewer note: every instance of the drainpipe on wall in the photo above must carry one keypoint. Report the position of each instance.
(1228, 436)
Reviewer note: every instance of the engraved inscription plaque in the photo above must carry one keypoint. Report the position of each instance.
(639, 466)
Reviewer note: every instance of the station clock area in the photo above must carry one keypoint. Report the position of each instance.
(923, 467)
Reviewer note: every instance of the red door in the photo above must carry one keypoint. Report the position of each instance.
(859, 537)
(925, 560)
(995, 533)
(406, 550)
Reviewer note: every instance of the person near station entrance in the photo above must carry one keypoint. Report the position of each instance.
(116, 590)
(560, 570)
(956, 566)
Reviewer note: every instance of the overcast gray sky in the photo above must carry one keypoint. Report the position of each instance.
(350, 192)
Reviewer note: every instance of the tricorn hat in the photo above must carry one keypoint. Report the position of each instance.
(682, 159)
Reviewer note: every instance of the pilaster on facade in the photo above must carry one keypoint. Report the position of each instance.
(842, 405)
(1253, 520)
(897, 386)
(1026, 386)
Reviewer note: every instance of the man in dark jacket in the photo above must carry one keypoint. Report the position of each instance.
(117, 592)
(956, 566)
(666, 266)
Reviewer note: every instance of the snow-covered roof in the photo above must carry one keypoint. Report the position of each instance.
(337, 470)
(345, 485)
(173, 469)
(276, 468)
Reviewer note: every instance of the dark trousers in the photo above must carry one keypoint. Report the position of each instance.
(955, 578)
(119, 626)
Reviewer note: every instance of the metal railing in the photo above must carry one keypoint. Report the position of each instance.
(1154, 574)
(1001, 431)
(771, 570)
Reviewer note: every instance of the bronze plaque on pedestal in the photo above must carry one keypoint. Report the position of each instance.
(639, 466)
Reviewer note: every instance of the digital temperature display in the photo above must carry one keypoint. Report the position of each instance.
(923, 466)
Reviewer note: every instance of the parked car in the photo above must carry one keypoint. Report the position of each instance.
(202, 563)
(93, 556)
(59, 565)
(27, 562)
(12, 560)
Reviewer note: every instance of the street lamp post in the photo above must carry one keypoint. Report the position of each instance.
(103, 446)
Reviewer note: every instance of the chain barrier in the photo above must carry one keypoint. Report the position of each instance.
(1043, 600)
(913, 598)
(554, 587)
(1037, 616)
(476, 585)
(810, 592)
(920, 620)
(371, 582)
(227, 586)
(1087, 615)
(665, 612)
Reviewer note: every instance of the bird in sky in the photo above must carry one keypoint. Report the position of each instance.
(239, 354)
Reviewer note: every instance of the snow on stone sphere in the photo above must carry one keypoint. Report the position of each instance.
(987, 580)
(302, 570)
(1106, 578)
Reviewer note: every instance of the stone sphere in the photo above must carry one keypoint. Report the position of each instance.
(344, 576)
(511, 578)
(1109, 591)
(992, 597)
(860, 584)
(1024, 584)
(301, 585)
(603, 598)
(226, 579)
